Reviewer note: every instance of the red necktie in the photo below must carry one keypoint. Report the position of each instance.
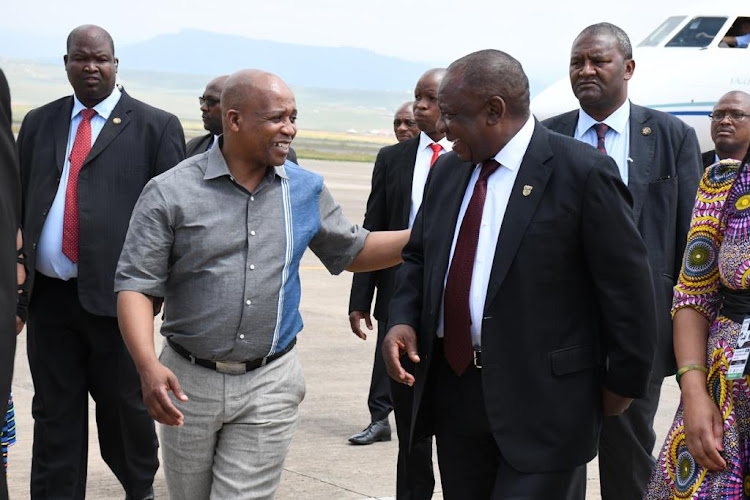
(459, 349)
(601, 131)
(436, 148)
(81, 148)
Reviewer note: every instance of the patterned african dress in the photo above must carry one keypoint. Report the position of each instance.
(717, 255)
(8, 433)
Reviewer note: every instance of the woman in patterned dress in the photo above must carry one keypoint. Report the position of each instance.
(707, 451)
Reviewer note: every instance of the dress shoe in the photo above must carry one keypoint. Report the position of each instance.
(379, 430)
(149, 495)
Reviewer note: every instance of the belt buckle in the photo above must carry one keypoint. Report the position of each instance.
(230, 368)
(478, 358)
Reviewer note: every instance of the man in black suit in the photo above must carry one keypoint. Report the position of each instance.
(10, 209)
(397, 183)
(524, 299)
(730, 128)
(659, 159)
(210, 103)
(84, 161)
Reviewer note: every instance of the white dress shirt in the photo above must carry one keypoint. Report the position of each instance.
(617, 138)
(50, 260)
(499, 187)
(422, 170)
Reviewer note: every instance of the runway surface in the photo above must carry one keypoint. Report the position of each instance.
(321, 463)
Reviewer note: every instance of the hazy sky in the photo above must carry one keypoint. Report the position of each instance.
(537, 32)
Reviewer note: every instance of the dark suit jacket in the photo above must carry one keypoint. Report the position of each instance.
(387, 210)
(568, 257)
(663, 179)
(198, 145)
(10, 209)
(145, 143)
(708, 158)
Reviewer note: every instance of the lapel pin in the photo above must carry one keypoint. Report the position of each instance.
(116, 120)
(527, 190)
(646, 131)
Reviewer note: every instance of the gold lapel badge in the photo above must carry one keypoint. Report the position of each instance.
(646, 131)
(116, 120)
(527, 190)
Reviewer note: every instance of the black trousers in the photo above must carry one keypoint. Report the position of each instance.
(625, 447)
(471, 464)
(415, 479)
(72, 354)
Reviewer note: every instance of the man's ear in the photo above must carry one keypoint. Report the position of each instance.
(233, 120)
(495, 109)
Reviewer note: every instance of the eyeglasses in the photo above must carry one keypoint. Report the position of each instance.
(735, 116)
(208, 101)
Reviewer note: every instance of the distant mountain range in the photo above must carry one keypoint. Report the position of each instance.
(206, 53)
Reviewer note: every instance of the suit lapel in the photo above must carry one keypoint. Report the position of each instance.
(118, 120)
(535, 172)
(406, 177)
(61, 132)
(642, 146)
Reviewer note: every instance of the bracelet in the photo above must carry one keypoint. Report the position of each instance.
(682, 371)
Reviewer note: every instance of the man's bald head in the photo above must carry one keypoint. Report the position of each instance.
(731, 134)
(404, 125)
(211, 105)
(89, 31)
(259, 115)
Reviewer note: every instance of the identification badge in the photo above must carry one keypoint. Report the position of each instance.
(741, 352)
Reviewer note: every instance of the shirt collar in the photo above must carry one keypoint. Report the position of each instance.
(103, 109)
(617, 121)
(512, 154)
(425, 141)
(217, 165)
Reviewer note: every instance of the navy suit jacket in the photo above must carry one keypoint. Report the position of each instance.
(663, 178)
(387, 210)
(137, 143)
(568, 256)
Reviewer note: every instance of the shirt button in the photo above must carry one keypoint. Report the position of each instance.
(248, 302)
(242, 335)
(252, 267)
(252, 198)
(252, 233)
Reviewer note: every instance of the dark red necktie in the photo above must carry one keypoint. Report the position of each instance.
(459, 349)
(436, 148)
(601, 131)
(81, 148)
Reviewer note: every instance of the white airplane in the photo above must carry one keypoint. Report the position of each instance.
(683, 67)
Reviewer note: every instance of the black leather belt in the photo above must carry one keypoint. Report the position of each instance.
(229, 367)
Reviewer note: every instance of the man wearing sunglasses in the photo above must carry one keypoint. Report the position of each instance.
(730, 128)
(210, 103)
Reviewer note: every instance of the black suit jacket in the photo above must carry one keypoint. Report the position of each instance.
(10, 208)
(568, 257)
(146, 142)
(663, 178)
(387, 210)
(708, 158)
(198, 145)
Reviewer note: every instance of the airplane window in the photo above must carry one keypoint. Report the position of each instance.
(738, 36)
(660, 33)
(698, 33)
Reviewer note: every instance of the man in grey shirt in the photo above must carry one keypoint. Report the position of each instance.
(220, 237)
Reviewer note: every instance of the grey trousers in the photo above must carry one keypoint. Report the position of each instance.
(237, 431)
